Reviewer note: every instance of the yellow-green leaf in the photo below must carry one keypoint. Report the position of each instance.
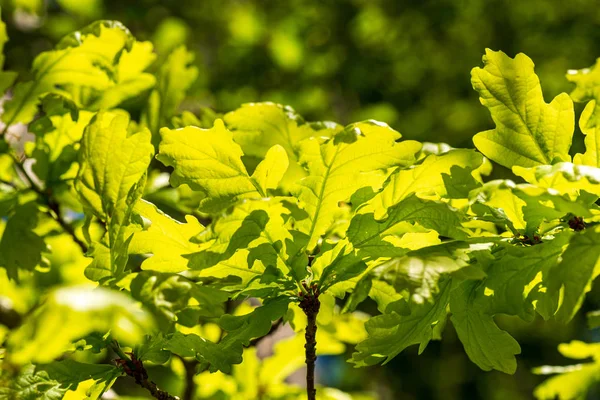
(528, 131)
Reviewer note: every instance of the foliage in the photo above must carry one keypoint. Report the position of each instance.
(204, 234)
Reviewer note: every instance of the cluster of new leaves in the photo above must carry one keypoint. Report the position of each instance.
(201, 235)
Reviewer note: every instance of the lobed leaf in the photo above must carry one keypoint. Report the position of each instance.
(528, 131)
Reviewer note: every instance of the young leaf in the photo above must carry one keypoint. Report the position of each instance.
(175, 77)
(112, 162)
(259, 226)
(85, 59)
(371, 236)
(257, 127)
(271, 170)
(207, 160)
(111, 178)
(56, 144)
(425, 179)
(575, 273)
(587, 89)
(566, 178)
(342, 165)
(420, 271)
(392, 332)
(131, 80)
(21, 247)
(167, 240)
(337, 265)
(528, 131)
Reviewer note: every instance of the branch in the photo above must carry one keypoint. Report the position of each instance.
(310, 304)
(134, 367)
(58, 217)
(54, 208)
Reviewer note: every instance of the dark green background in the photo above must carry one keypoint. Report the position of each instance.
(404, 62)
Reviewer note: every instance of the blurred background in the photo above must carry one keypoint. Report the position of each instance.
(403, 62)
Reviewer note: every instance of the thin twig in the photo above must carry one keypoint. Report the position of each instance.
(134, 367)
(57, 215)
(53, 207)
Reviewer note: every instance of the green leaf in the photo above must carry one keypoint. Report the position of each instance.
(565, 178)
(112, 162)
(353, 159)
(515, 281)
(152, 349)
(21, 247)
(56, 145)
(131, 80)
(574, 275)
(271, 170)
(420, 271)
(373, 237)
(459, 182)
(86, 59)
(70, 372)
(337, 265)
(241, 329)
(167, 241)
(168, 297)
(392, 332)
(71, 313)
(209, 354)
(6, 77)
(486, 345)
(174, 79)
(262, 228)
(207, 160)
(425, 179)
(31, 385)
(110, 180)
(587, 89)
(586, 82)
(528, 131)
(527, 206)
(572, 381)
(257, 127)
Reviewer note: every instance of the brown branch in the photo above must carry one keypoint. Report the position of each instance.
(310, 304)
(134, 367)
